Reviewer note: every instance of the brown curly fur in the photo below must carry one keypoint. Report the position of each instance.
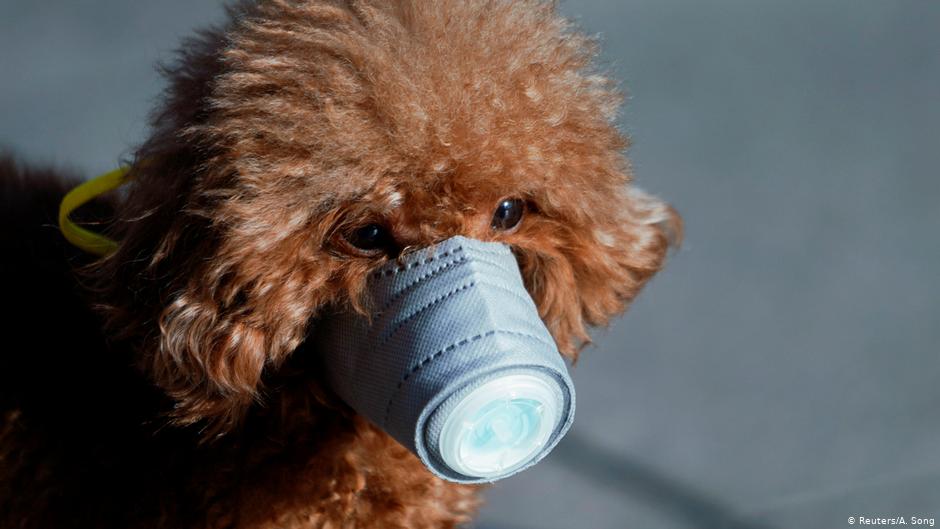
(198, 403)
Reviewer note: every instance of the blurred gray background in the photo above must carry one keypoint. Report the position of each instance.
(783, 371)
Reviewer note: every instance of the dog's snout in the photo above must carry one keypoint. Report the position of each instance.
(455, 362)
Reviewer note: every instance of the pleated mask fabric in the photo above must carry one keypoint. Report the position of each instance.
(454, 362)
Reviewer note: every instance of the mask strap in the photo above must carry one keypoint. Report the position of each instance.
(89, 241)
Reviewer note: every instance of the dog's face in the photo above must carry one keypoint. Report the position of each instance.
(312, 143)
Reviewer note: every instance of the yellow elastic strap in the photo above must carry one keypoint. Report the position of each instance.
(89, 241)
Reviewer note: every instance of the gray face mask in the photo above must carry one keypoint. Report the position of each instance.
(454, 362)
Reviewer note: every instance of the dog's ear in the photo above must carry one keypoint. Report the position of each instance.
(243, 293)
(242, 311)
(214, 282)
(582, 271)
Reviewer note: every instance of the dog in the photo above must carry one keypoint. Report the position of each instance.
(298, 147)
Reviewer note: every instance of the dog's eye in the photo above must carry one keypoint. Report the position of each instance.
(508, 214)
(370, 238)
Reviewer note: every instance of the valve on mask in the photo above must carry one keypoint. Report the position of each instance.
(454, 362)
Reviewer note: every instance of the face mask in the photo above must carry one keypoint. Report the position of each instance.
(454, 362)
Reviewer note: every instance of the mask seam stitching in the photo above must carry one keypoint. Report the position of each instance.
(425, 307)
(424, 262)
(429, 275)
(417, 367)
(405, 268)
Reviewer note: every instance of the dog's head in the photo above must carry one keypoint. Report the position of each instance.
(309, 142)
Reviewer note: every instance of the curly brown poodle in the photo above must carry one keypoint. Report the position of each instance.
(169, 384)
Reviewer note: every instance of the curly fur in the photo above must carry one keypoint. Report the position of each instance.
(280, 132)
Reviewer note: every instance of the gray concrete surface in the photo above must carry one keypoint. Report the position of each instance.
(783, 372)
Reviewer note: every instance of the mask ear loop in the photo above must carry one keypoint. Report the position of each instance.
(89, 241)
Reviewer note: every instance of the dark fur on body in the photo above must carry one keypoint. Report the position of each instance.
(171, 384)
